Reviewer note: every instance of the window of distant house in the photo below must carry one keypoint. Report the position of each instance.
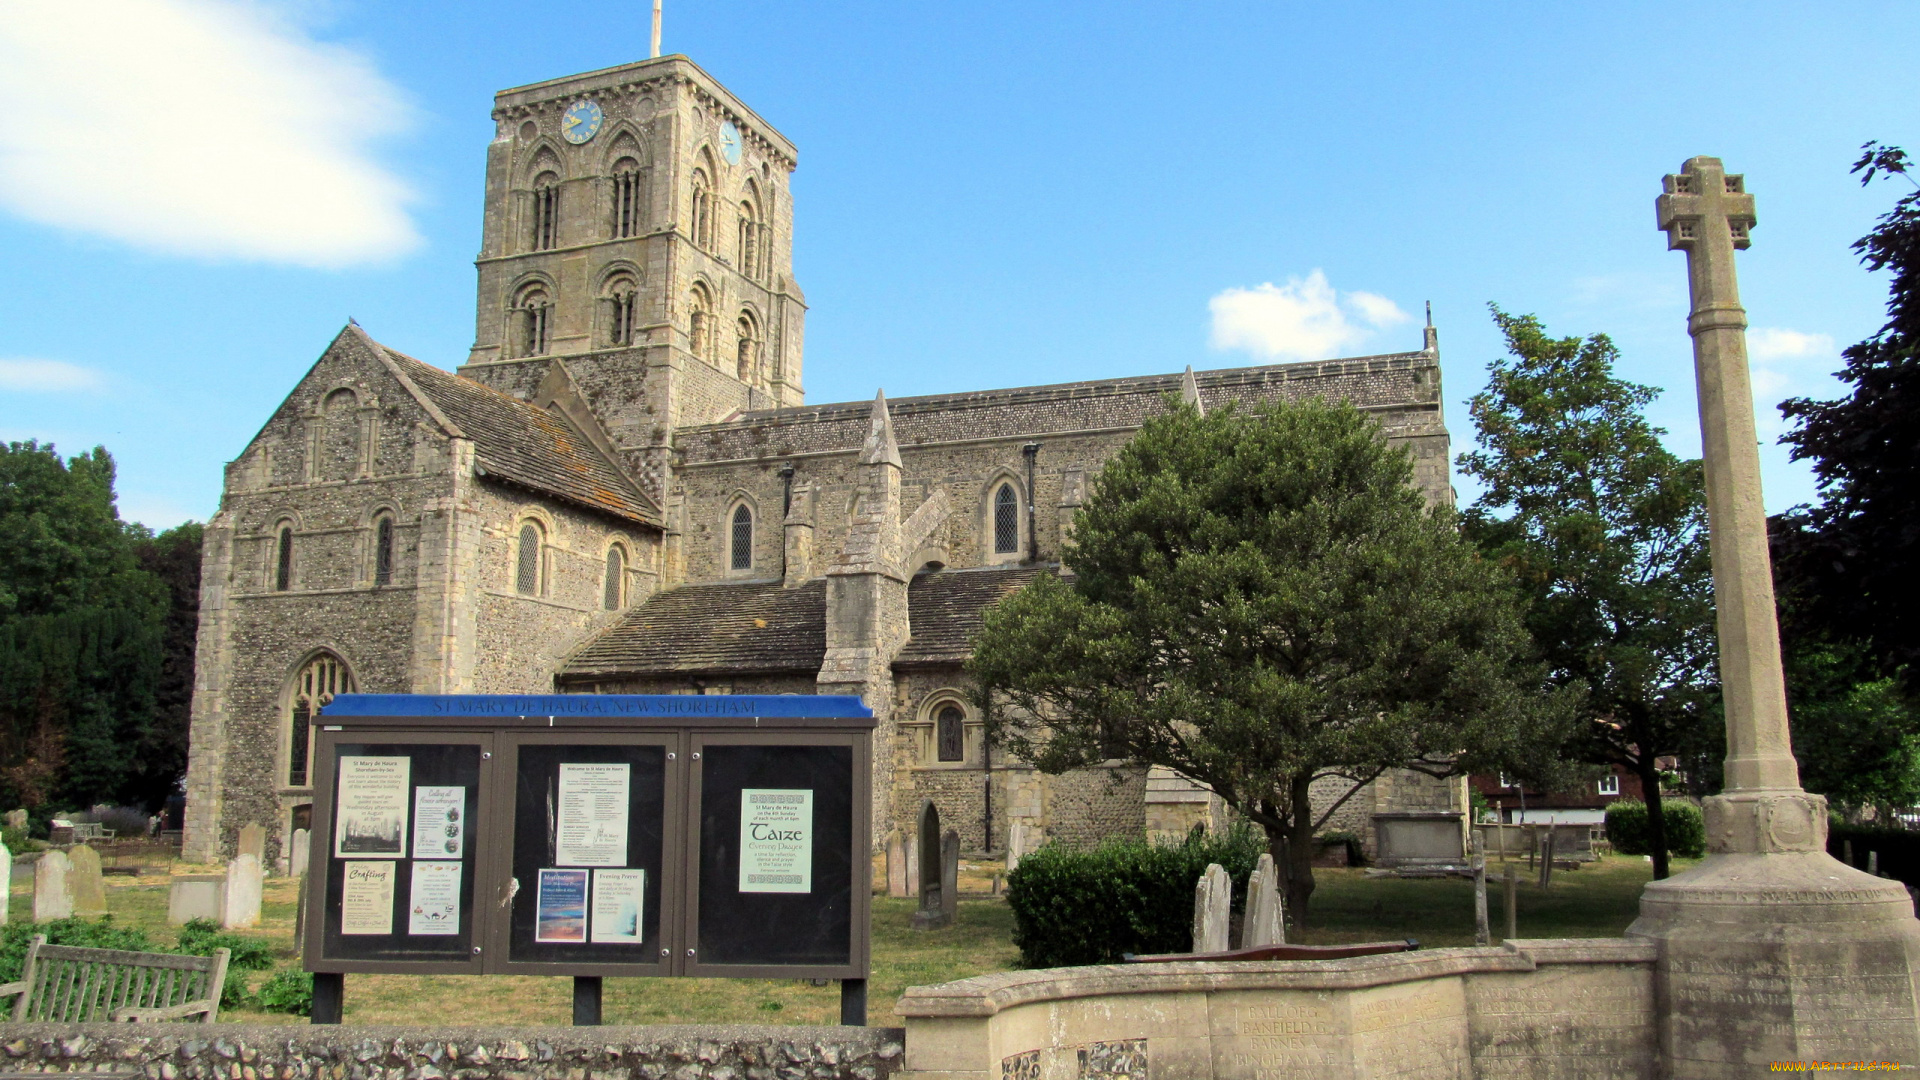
(949, 733)
(742, 539)
(526, 578)
(1006, 520)
(318, 680)
(1610, 784)
(616, 578)
(1507, 781)
(383, 550)
(283, 561)
(546, 211)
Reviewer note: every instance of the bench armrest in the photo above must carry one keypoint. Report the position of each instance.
(131, 1015)
(13, 988)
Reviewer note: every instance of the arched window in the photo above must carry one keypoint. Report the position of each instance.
(535, 313)
(316, 683)
(616, 578)
(546, 211)
(949, 733)
(526, 577)
(747, 351)
(749, 241)
(1006, 520)
(621, 303)
(700, 323)
(627, 198)
(742, 539)
(383, 550)
(702, 209)
(283, 561)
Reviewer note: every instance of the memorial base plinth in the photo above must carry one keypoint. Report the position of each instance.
(1783, 956)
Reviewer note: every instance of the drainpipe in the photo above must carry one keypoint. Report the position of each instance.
(1032, 450)
(786, 495)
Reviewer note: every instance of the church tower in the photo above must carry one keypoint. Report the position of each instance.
(637, 255)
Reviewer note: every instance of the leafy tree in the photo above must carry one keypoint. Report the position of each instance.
(1261, 602)
(1606, 530)
(1854, 730)
(1851, 558)
(173, 557)
(66, 545)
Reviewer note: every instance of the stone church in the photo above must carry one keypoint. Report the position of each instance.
(623, 490)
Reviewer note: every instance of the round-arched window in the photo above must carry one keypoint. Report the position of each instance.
(949, 733)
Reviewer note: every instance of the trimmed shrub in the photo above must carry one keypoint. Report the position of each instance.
(1899, 849)
(1628, 832)
(1073, 906)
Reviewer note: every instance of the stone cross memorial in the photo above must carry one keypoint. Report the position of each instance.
(87, 884)
(1770, 949)
(1212, 910)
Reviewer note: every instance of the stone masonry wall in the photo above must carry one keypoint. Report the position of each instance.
(248, 1052)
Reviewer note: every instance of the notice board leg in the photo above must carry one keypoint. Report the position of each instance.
(586, 1001)
(853, 1002)
(329, 994)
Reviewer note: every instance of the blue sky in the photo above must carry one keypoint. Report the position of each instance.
(196, 194)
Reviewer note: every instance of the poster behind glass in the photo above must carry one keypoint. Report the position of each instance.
(400, 881)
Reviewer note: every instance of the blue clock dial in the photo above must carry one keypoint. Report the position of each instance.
(581, 121)
(730, 143)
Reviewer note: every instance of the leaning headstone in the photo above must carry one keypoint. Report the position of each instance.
(950, 876)
(243, 893)
(1263, 924)
(17, 819)
(301, 849)
(1019, 843)
(196, 896)
(898, 852)
(52, 887)
(87, 885)
(253, 841)
(1212, 909)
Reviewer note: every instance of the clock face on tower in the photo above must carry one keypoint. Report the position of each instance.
(730, 143)
(581, 121)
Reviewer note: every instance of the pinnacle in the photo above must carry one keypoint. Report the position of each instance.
(880, 447)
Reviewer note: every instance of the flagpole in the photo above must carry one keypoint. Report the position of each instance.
(656, 28)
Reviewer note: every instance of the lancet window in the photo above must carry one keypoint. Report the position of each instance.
(628, 197)
(535, 315)
(1006, 520)
(622, 307)
(283, 560)
(741, 539)
(615, 593)
(546, 212)
(526, 576)
(383, 550)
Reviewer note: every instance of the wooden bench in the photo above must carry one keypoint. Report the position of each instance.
(67, 984)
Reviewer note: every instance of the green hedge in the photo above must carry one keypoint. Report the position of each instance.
(1629, 833)
(1076, 906)
(1899, 849)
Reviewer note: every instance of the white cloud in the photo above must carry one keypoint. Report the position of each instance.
(46, 375)
(199, 127)
(1767, 343)
(1305, 319)
(1785, 363)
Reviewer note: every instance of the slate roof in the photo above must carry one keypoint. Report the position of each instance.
(758, 626)
(530, 447)
(763, 627)
(946, 608)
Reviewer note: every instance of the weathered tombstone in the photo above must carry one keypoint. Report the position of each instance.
(196, 896)
(950, 876)
(244, 880)
(1212, 910)
(17, 819)
(52, 887)
(1264, 923)
(300, 917)
(898, 850)
(1482, 933)
(1021, 839)
(932, 911)
(86, 883)
(1512, 901)
(252, 841)
(300, 849)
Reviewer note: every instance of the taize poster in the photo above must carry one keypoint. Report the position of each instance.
(776, 840)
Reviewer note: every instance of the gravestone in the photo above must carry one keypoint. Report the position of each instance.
(6, 883)
(899, 850)
(52, 887)
(301, 850)
(932, 911)
(1416, 839)
(252, 841)
(1212, 909)
(1265, 922)
(85, 882)
(17, 819)
(244, 880)
(196, 896)
(1020, 842)
(950, 876)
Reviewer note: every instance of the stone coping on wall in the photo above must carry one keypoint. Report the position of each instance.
(356, 1052)
(986, 995)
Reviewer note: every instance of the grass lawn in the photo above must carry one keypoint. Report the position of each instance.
(1597, 901)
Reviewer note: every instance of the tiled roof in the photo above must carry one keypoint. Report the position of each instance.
(946, 607)
(759, 626)
(530, 447)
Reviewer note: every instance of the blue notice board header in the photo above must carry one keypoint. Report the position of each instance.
(665, 706)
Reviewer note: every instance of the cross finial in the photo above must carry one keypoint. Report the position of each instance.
(1703, 203)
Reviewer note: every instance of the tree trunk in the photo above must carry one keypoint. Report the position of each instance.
(1656, 819)
(1292, 849)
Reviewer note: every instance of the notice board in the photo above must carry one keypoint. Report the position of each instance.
(592, 835)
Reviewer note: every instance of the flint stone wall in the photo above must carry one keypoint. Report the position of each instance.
(267, 1052)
